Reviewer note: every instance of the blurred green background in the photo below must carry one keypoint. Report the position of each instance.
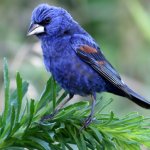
(121, 27)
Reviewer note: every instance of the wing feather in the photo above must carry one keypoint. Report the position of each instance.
(91, 54)
(86, 48)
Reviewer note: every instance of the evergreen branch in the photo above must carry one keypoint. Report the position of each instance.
(20, 125)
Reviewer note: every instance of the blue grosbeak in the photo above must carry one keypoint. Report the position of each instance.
(75, 59)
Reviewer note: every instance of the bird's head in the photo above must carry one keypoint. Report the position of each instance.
(49, 21)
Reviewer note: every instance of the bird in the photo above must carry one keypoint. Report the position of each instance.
(75, 60)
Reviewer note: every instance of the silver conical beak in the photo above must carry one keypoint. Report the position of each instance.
(35, 29)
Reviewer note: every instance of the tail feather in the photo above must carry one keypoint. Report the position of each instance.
(136, 98)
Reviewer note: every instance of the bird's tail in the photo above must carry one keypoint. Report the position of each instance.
(136, 98)
(133, 96)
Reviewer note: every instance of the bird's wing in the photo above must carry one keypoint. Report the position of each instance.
(90, 53)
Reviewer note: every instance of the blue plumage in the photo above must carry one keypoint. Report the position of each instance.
(70, 71)
(73, 57)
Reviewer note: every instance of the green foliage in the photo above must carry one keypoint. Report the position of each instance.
(20, 125)
(137, 12)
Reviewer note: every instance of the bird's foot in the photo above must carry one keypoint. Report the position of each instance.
(87, 122)
(48, 117)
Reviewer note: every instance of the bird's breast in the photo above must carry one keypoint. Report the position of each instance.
(76, 76)
(70, 71)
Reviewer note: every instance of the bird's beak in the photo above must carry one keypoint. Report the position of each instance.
(35, 29)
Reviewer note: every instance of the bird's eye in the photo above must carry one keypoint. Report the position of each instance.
(46, 21)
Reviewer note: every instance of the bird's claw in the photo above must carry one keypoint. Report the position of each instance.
(87, 122)
(47, 117)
